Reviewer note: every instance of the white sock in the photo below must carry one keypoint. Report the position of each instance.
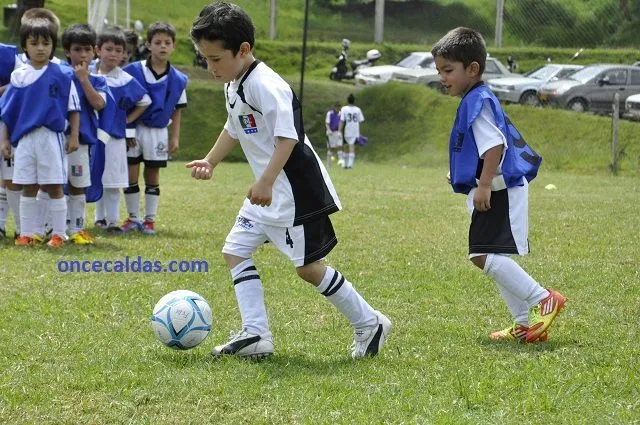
(4, 208)
(510, 276)
(43, 215)
(76, 207)
(28, 215)
(151, 201)
(111, 199)
(341, 155)
(100, 212)
(519, 309)
(250, 296)
(14, 199)
(347, 300)
(351, 159)
(132, 199)
(58, 210)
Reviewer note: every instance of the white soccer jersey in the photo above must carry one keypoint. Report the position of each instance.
(351, 116)
(261, 107)
(27, 74)
(22, 59)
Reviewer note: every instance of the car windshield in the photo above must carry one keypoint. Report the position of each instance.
(545, 73)
(416, 59)
(586, 74)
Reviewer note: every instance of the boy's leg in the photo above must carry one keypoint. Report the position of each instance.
(111, 198)
(151, 198)
(79, 179)
(28, 211)
(14, 192)
(58, 209)
(115, 177)
(132, 200)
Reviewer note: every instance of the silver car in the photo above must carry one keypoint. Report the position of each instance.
(381, 74)
(592, 88)
(524, 90)
(430, 78)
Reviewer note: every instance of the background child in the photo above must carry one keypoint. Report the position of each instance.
(128, 94)
(35, 126)
(78, 42)
(166, 86)
(486, 164)
(350, 118)
(290, 202)
(334, 137)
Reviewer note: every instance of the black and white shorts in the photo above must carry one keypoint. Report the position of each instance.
(302, 244)
(504, 229)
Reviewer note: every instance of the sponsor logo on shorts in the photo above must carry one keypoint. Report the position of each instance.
(76, 170)
(244, 223)
(248, 123)
(161, 148)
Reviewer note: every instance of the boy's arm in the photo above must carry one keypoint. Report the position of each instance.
(5, 146)
(174, 141)
(136, 112)
(202, 168)
(260, 192)
(73, 140)
(482, 197)
(93, 97)
(3, 88)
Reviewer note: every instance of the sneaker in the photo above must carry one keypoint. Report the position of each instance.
(516, 332)
(148, 227)
(81, 238)
(56, 241)
(113, 228)
(341, 162)
(24, 241)
(246, 345)
(129, 225)
(542, 314)
(368, 341)
(101, 224)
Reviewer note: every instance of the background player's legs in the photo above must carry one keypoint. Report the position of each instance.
(351, 156)
(151, 196)
(132, 194)
(14, 191)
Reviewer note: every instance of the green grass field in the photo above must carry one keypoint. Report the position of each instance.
(78, 348)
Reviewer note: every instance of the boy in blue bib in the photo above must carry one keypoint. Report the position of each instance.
(491, 163)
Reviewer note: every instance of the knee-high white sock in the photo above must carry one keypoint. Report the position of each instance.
(347, 300)
(4, 208)
(43, 214)
(151, 202)
(111, 199)
(341, 155)
(509, 275)
(250, 296)
(76, 207)
(58, 210)
(132, 199)
(351, 159)
(100, 212)
(14, 200)
(28, 215)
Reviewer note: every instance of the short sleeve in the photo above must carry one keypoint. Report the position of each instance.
(485, 131)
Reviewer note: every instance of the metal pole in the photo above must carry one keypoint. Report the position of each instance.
(499, 22)
(304, 48)
(379, 22)
(272, 19)
(615, 127)
(115, 12)
(128, 14)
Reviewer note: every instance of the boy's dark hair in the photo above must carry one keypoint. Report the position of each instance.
(161, 28)
(113, 34)
(225, 22)
(351, 99)
(81, 34)
(40, 13)
(462, 45)
(38, 28)
(131, 36)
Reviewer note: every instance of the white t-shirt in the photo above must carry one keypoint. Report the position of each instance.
(487, 135)
(351, 116)
(27, 75)
(303, 190)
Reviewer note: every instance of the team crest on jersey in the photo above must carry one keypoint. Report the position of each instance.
(244, 223)
(76, 170)
(53, 90)
(248, 123)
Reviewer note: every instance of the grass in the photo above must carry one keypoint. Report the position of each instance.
(78, 348)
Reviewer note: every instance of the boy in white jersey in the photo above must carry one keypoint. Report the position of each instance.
(350, 118)
(35, 126)
(290, 202)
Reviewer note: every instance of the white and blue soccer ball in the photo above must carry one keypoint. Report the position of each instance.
(181, 319)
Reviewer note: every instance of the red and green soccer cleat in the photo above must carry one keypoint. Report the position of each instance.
(541, 315)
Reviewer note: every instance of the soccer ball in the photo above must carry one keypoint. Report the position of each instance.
(181, 319)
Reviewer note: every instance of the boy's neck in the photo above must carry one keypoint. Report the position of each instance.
(472, 83)
(159, 66)
(103, 69)
(248, 61)
(39, 66)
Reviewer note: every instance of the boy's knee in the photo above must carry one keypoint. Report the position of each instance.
(479, 261)
(312, 273)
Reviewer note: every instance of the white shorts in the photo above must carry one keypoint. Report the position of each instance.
(350, 140)
(6, 166)
(116, 171)
(302, 244)
(78, 167)
(40, 158)
(335, 139)
(152, 147)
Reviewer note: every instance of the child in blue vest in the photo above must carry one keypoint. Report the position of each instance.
(130, 101)
(78, 42)
(153, 145)
(491, 163)
(334, 137)
(36, 108)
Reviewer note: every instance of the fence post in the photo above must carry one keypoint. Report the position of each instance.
(615, 126)
(499, 22)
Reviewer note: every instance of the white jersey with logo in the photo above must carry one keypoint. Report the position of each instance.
(262, 107)
(351, 116)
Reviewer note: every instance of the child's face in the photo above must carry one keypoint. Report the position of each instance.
(455, 77)
(161, 46)
(39, 50)
(79, 53)
(111, 55)
(221, 63)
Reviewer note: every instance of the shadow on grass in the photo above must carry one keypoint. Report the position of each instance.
(518, 347)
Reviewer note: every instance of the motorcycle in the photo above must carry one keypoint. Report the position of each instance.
(341, 72)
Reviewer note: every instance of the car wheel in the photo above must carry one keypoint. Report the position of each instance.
(436, 86)
(529, 98)
(577, 105)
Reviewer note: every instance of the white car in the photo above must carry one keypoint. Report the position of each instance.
(524, 90)
(632, 107)
(382, 73)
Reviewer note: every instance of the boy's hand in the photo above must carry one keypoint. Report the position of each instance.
(82, 71)
(72, 144)
(260, 194)
(174, 145)
(131, 142)
(449, 177)
(201, 169)
(482, 198)
(5, 149)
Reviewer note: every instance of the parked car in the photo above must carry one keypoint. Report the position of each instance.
(382, 73)
(524, 90)
(592, 88)
(429, 76)
(632, 107)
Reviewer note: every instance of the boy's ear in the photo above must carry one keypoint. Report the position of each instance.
(245, 48)
(474, 68)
